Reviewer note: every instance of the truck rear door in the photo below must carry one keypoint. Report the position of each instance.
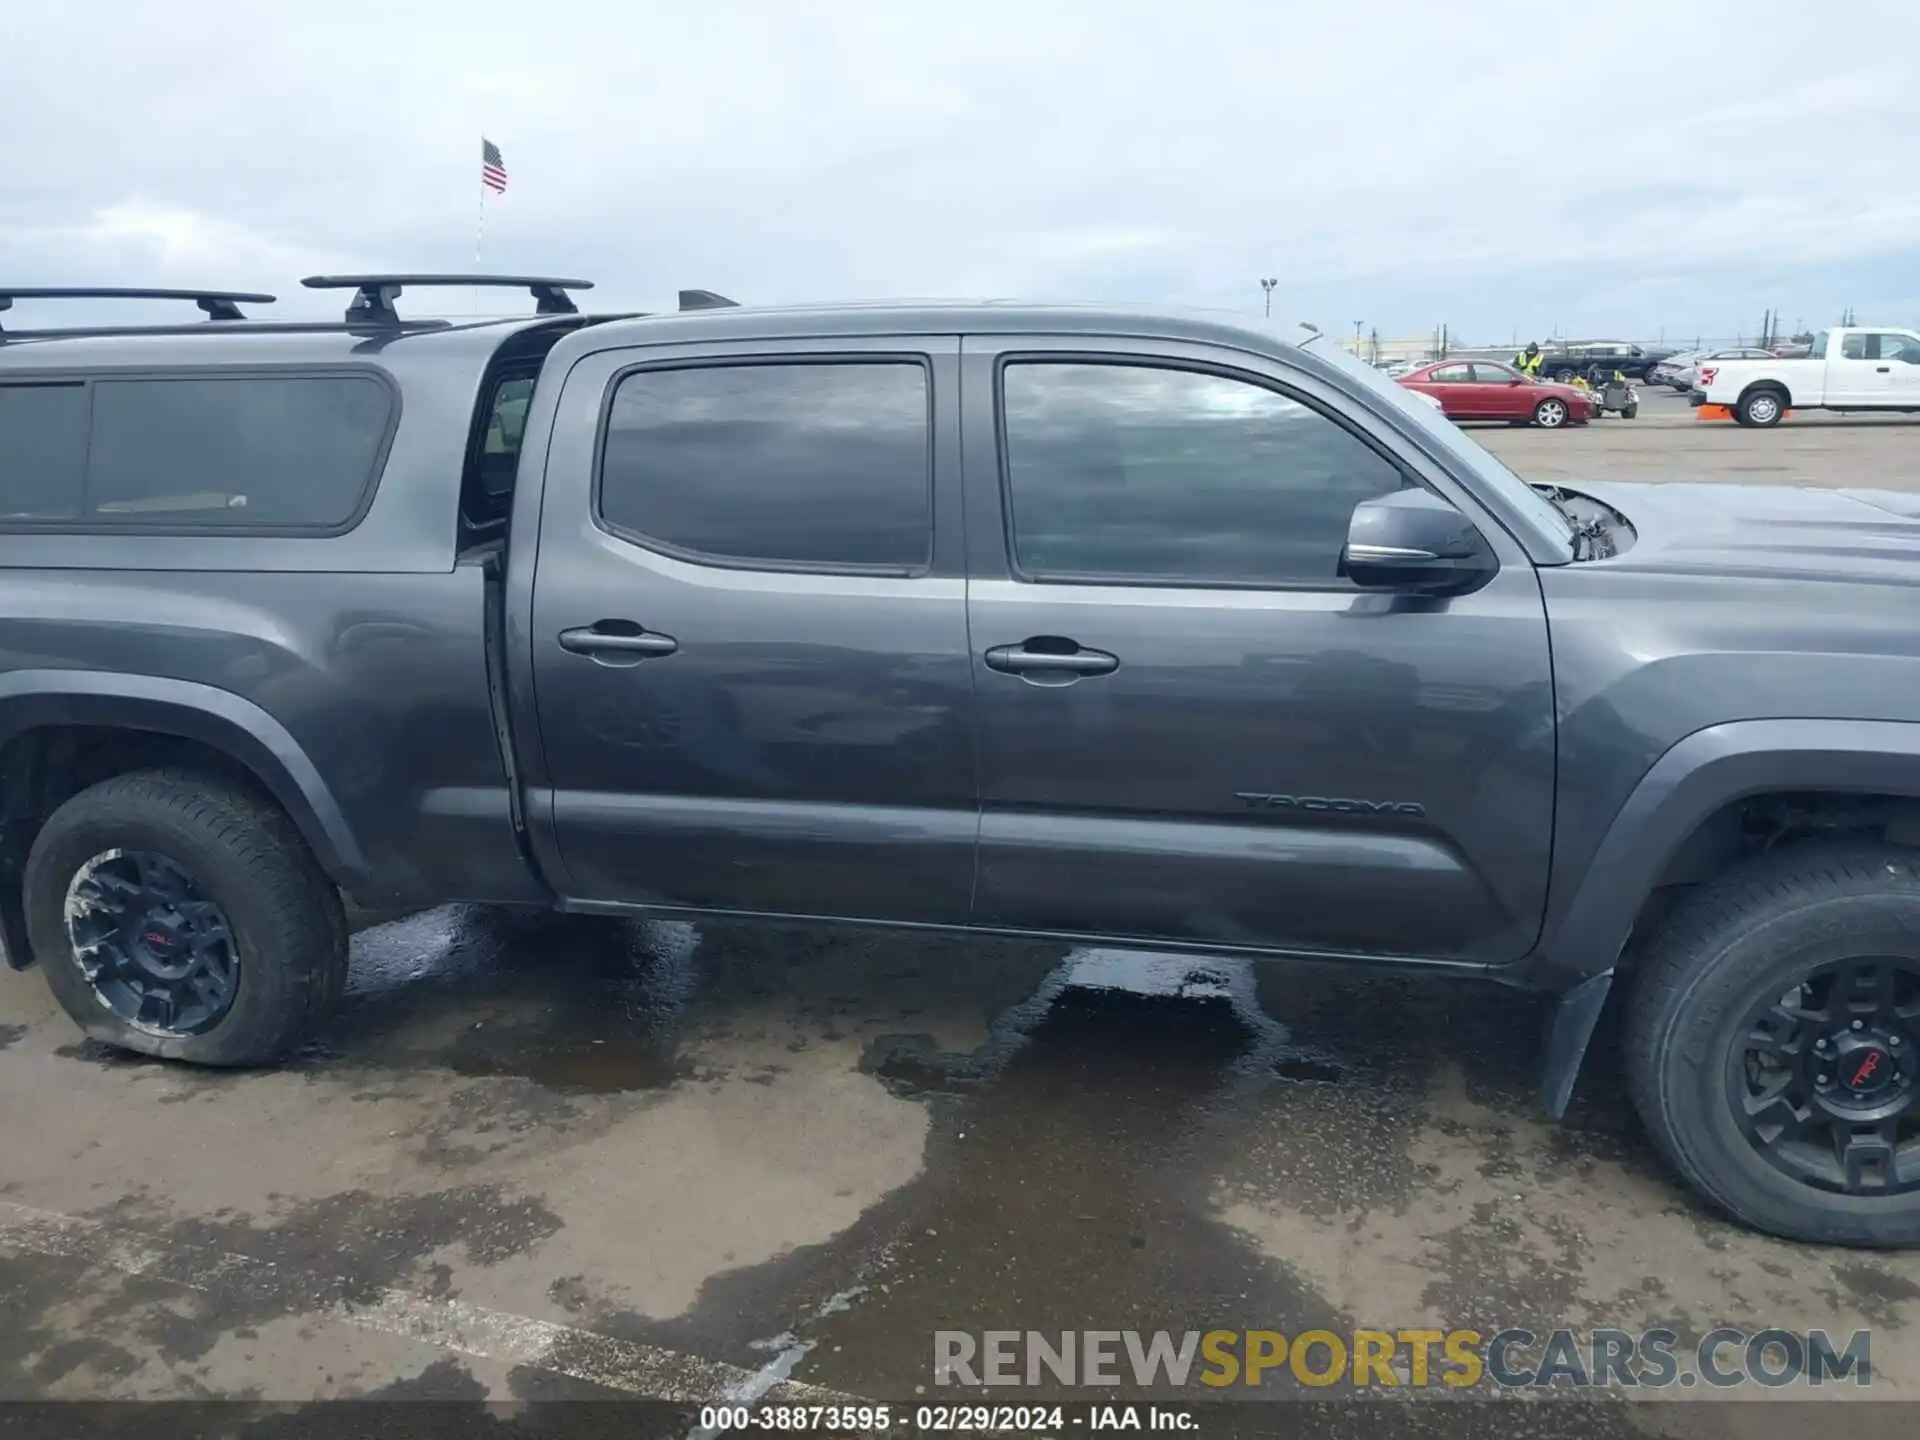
(749, 631)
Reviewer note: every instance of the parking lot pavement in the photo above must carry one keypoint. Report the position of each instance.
(546, 1158)
(1666, 442)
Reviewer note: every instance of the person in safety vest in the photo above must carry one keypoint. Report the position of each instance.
(1527, 362)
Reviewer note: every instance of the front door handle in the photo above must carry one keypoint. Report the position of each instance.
(1883, 370)
(1056, 662)
(625, 645)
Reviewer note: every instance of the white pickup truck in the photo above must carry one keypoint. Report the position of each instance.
(1860, 368)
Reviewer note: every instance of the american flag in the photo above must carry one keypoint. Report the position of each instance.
(493, 170)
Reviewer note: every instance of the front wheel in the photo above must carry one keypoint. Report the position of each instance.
(1772, 1042)
(180, 915)
(1631, 409)
(1550, 414)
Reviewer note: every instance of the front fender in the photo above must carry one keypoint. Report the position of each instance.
(1703, 773)
(219, 718)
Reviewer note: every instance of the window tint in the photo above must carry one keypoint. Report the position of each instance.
(1137, 473)
(508, 423)
(489, 490)
(43, 451)
(797, 465)
(1900, 347)
(1854, 347)
(1493, 374)
(270, 451)
(1450, 375)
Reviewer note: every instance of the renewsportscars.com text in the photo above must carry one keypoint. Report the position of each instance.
(1510, 1359)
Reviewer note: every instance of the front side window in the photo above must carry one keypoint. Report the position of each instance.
(293, 452)
(804, 466)
(1903, 348)
(1141, 474)
(1493, 374)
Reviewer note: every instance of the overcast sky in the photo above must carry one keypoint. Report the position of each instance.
(1507, 168)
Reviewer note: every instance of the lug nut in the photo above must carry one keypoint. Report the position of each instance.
(1859, 1025)
(1824, 1081)
(1894, 1041)
(1822, 1046)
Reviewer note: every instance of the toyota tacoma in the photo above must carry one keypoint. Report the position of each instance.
(1077, 623)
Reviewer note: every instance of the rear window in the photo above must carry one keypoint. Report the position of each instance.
(254, 452)
(808, 465)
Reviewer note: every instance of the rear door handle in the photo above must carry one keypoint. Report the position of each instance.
(1055, 665)
(625, 646)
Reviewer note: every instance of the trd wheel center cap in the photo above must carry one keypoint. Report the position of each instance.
(160, 948)
(1863, 1066)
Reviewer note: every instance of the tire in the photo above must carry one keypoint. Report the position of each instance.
(252, 890)
(1550, 414)
(1561, 376)
(1627, 412)
(1761, 408)
(1710, 981)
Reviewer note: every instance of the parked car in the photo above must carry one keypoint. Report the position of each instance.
(1484, 390)
(1676, 370)
(1687, 380)
(1165, 632)
(1854, 368)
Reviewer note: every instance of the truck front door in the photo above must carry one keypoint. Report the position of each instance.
(749, 631)
(1191, 726)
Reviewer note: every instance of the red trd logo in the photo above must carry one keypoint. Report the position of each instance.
(1869, 1067)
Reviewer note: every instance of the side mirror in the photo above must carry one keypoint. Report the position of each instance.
(1414, 542)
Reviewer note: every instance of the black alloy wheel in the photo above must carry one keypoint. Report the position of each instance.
(1823, 1078)
(156, 950)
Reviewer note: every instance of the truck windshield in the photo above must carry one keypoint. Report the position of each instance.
(1455, 442)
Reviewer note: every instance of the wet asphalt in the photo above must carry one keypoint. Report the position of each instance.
(539, 1157)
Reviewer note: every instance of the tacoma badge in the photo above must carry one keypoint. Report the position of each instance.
(1259, 801)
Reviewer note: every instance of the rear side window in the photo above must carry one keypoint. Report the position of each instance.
(823, 465)
(283, 452)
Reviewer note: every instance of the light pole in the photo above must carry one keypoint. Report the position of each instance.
(1267, 285)
(1356, 338)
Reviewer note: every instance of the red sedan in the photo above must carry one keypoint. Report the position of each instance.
(1487, 390)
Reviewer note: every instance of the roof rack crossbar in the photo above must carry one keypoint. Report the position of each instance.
(374, 295)
(215, 304)
(705, 300)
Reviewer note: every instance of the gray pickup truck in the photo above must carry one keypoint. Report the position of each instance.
(1093, 624)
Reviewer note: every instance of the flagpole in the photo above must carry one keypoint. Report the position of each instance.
(479, 238)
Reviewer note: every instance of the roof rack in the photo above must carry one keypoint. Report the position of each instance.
(373, 302)
(217, 304)
(705, 300)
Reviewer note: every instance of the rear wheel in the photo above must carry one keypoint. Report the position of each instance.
(1550, 414)
(183, 916)
(1772, 1041)
(1629, 410)
(1761, 407)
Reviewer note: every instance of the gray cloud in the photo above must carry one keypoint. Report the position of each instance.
(1451, 161)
